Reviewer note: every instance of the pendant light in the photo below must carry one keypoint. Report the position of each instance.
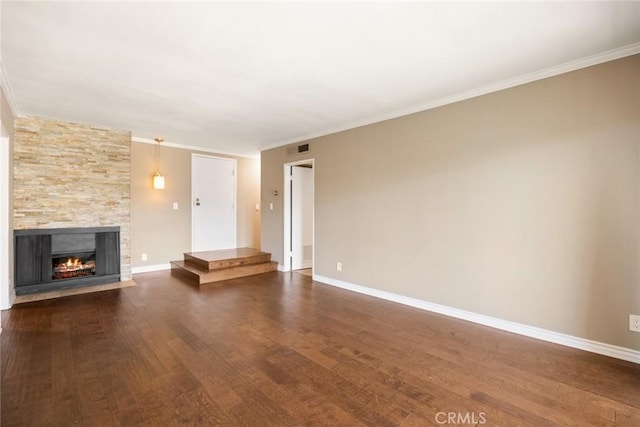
(158, 178)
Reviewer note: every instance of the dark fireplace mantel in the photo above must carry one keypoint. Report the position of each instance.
(63, 258)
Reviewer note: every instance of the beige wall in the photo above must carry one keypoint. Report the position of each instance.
(523, 204)
(72, 175)
(164, 234)
(248, 197)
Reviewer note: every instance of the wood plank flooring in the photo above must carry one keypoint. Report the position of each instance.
(279, 349)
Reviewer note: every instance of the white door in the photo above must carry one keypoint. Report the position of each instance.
(213, 203)
(301, 217)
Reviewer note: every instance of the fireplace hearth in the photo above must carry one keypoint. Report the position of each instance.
(63, 258)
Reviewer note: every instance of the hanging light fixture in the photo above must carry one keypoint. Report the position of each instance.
(158, 178)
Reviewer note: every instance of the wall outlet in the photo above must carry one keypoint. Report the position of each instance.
(144, 257)
(634, 323)
(339, 266)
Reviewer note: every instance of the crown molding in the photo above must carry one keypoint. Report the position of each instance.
(192, 147)
(588, 61)
(8, 92)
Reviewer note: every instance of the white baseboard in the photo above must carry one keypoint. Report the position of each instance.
(150, 268)
(505, 325)
(303, 266)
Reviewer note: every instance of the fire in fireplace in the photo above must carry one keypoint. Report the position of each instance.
(73, 267)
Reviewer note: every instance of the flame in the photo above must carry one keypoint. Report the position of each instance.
(73, 262)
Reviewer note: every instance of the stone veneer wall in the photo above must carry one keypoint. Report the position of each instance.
(72, 175)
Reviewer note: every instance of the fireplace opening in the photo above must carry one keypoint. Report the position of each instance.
(78, 265)
(73, 255)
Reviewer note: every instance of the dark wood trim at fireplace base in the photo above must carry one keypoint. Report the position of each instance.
(67, 284)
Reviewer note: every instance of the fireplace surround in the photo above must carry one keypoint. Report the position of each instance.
(64, 258)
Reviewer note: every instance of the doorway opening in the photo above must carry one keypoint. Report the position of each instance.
(299, 235)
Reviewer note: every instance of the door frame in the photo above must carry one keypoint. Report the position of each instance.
(235, 196)
(286, 247)
(6, 297)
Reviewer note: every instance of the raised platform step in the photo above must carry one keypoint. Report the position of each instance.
(225, 258)
(215, 266)
(202, 276)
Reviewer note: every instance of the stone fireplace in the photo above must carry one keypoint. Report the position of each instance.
(63, 258)
(71, 201)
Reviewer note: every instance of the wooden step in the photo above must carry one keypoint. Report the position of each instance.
(225, 258)
(202, 276)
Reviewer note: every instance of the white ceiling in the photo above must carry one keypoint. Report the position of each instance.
(239, 77)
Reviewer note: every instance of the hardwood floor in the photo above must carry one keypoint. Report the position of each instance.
(279, 349)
